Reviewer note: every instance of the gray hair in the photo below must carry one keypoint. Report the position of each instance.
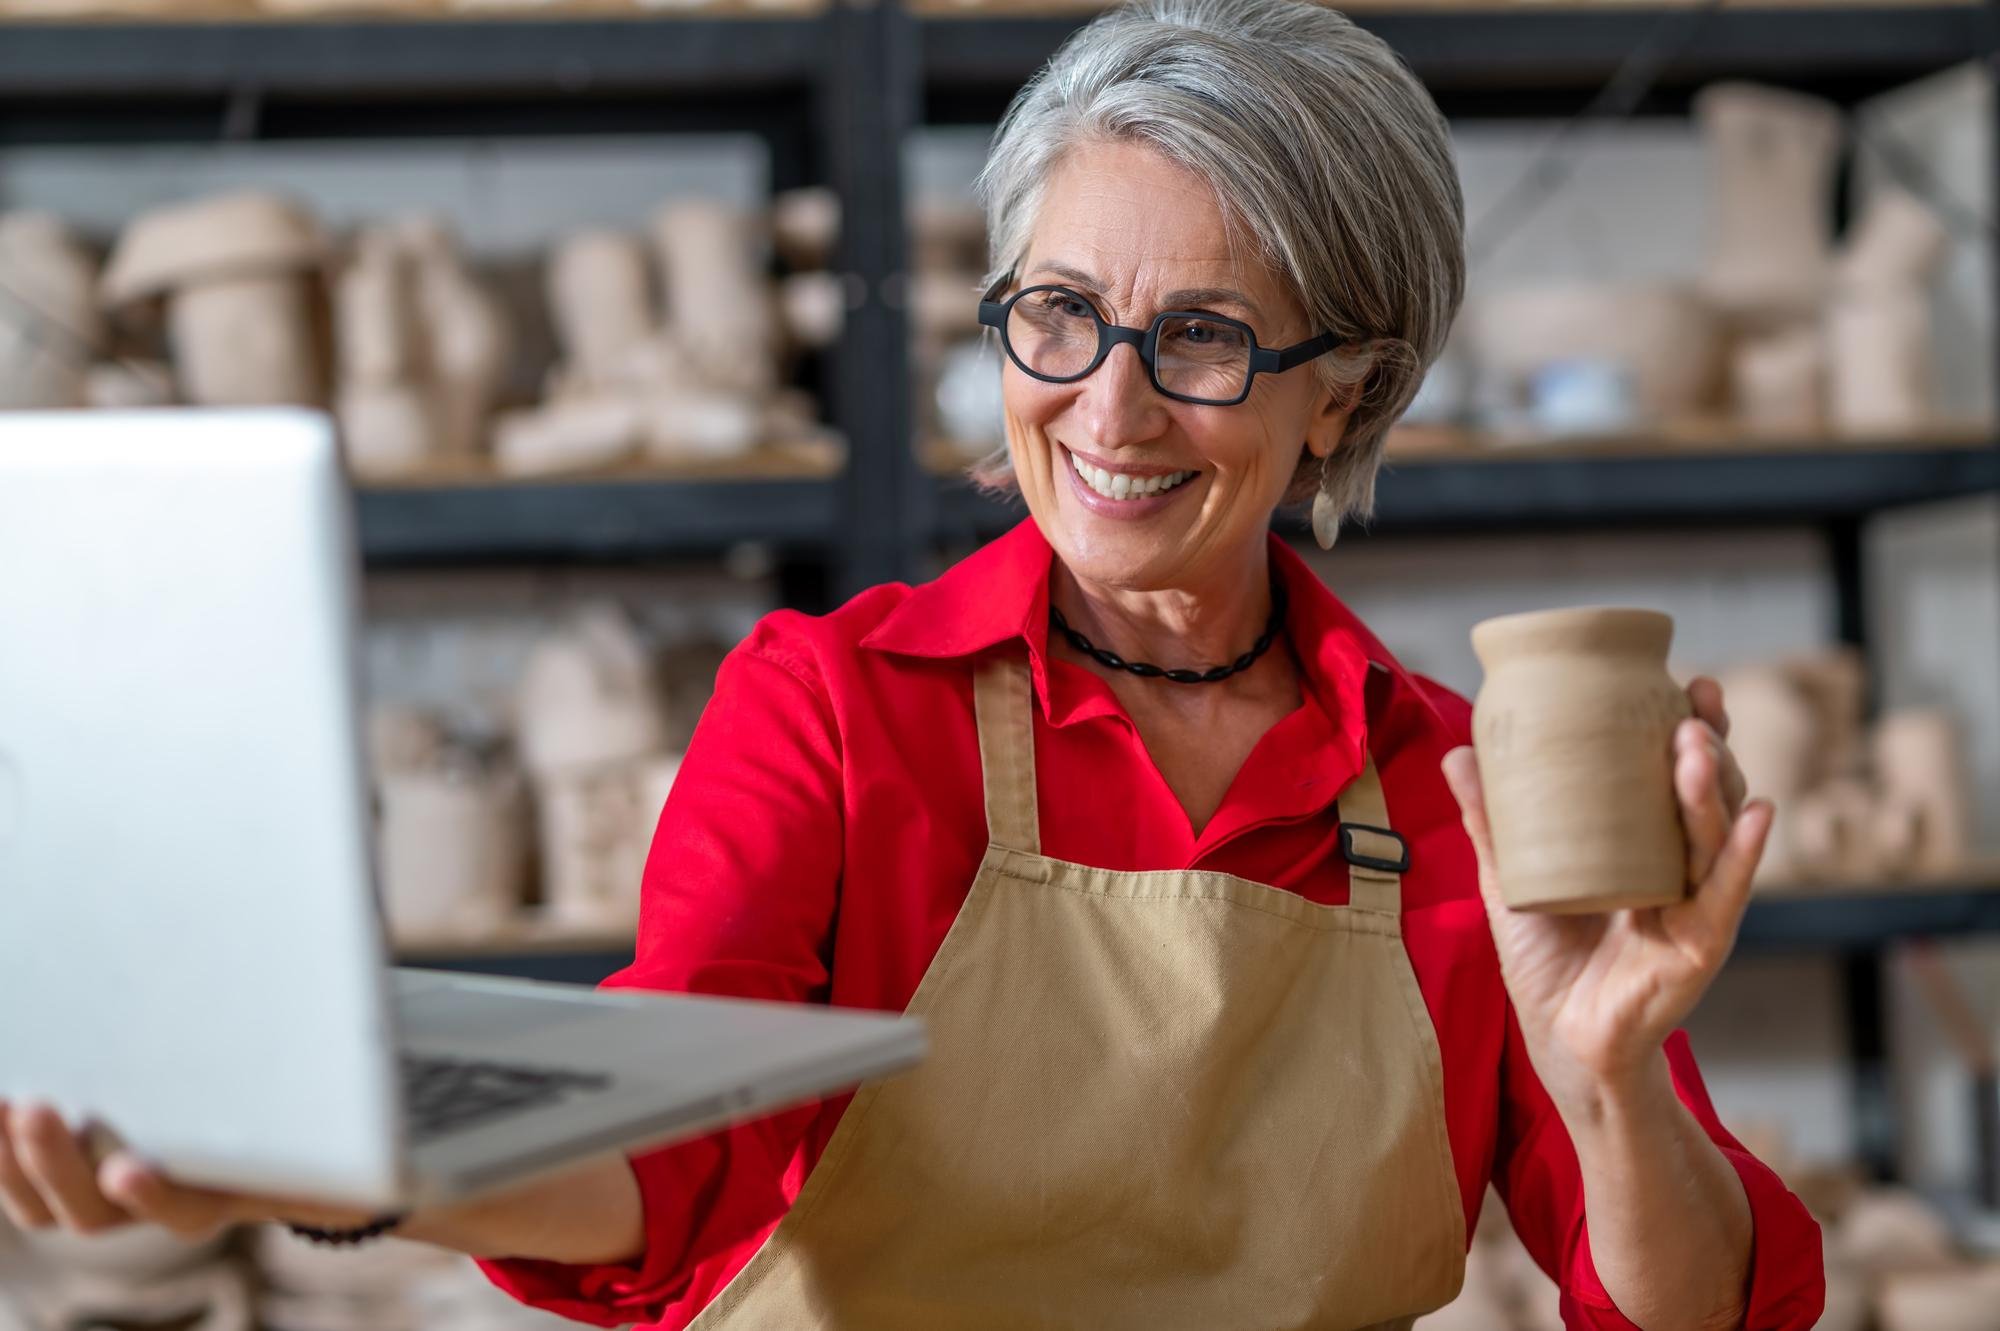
(1325, 153)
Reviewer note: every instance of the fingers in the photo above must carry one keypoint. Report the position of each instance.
(1461, 773)
(52, 1159)
(1706, 696)
(192, 1213)
(1704, 816)
(19, 1199)
(1720, 900)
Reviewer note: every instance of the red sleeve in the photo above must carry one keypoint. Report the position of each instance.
(738, 899)
(1538, 1177)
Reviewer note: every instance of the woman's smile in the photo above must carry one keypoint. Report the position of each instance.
(1124, 492)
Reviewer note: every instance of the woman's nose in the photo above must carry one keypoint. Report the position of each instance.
(1118, 403)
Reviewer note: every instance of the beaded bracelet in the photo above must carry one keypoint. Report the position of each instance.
(347, 1238)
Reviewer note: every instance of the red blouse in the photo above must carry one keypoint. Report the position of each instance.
(825, 827)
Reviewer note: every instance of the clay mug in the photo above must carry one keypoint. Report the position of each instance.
(1574, 728)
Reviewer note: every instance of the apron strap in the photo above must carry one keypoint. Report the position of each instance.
(1376, 857)
(1004, 707)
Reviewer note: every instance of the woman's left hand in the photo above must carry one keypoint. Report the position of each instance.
(1597, 995)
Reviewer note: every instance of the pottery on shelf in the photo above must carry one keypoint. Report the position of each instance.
(1573, 727)
(1879, 346)
(1920, 766)
(1899, 241)
(570, 435)
(467, 337)
(1835, 834)
(718, 302)
(126, 385)
(238, 275)
(49, 323)
(588, 698)
(1774, 732)
(595, 828)
(1891, 1229)
(453, 849)
(1778, 380)
(1773, 155)
(815, 308)
(702, 425)
(1662, 335)
(599, 293)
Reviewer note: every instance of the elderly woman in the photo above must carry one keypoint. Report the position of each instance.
(1187, 874)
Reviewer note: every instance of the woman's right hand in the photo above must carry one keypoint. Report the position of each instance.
(48, 1180)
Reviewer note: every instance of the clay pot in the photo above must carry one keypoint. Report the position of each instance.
(599, 297)
(576, 435)
(596, 828)
(1662, 335)
(1773, 155)
(375, 315)
(1778, 382)
(702, 425)
(387, 429)
(1574, 732)
(49, 324)
(587, 697)
(237, 273)
(1835, 833)
(1879, 341)
(1964, 1300)
(1898, 242)
(1920, 766)
(1774, 734)
(718, 302)
(453, 851)
(467, 337)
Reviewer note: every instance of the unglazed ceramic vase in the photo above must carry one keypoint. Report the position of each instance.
(1774, 734)
(453, 850)
(49, 332)
(1662, 334)
(1883, 372)
(1773, 154)
(1574, 731)
(599, 292)
(1778, 382)
(718, 301)
(1920, 765)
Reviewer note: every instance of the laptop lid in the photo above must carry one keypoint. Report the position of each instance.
(189, 949)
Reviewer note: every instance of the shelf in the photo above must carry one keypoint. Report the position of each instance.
(1852, 920)
(689, 511)
(354, 58)
(1463, 51)
(1621, 483)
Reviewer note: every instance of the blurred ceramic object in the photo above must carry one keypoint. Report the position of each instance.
(596, 827)
(1663, 335)
(1898, 242)
(947, 235)
(1963, 1300)
(1920, 765)
(587, 697)
(238, 274)
(127, 385)
(805, 226)
(386, 429)
(403, 739)
(1848, 1306)
(1891, 1229)
(467, 338)
(599, 292)
(1880, 346)
(375, 313)
(1834, 831)
(815, 308)
(1773, 732)
(1835, 682)
(969, 404)
(454, 855)
(718, 301)
(1773, 155)
(216, 1297)
(49, 324)
(702, 425)
(577, 435)
(1573, 727)
(134, 1255)
(1778, 381)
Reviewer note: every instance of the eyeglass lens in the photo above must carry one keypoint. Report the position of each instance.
(1056, 333)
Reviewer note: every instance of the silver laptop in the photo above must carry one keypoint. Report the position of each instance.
(190, 950)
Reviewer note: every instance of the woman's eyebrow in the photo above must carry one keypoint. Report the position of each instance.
(1184, 298)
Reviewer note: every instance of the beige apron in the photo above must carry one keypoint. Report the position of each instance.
(1176, 1099)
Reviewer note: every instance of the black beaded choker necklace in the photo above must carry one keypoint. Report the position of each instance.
(1113, 661)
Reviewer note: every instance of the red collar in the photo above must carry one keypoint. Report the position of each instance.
(1001, 592)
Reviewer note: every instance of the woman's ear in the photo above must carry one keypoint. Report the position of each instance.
(1332, 410)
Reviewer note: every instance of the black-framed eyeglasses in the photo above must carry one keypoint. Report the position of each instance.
(1056, 335)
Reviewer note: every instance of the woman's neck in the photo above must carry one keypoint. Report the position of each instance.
(1205, 623)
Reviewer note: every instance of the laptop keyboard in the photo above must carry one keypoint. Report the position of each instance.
(442, 1095)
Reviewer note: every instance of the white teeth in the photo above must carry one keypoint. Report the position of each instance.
(1122, 485)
